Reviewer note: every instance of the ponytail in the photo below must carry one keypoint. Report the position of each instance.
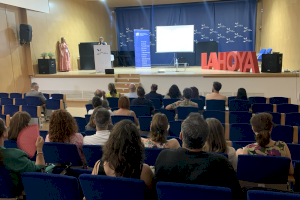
(263, 138)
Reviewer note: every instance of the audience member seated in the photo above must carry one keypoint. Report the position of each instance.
(102, 120)
(63, 128)
(262, 126)
(154, 95)
(105, 104)
(123, 155)
(95, 102)
(216, 141)
(18, 122)
(132, 91)
(16, 160)
(124, 106)
(100, 94)
(158, 133)
(195, 93)
(142, 101)
(241, 94)
(191, 165)
(174, 93)
(187, 94)
(112, 91)
(216, 95)
(92, 125)
(34, 92)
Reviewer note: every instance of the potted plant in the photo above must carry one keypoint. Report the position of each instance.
(51, 55)
(44, 55)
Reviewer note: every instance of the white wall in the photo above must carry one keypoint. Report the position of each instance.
(37, 5)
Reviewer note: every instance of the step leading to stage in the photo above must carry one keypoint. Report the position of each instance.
(122, 82)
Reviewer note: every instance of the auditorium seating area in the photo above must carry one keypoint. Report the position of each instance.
(234, 114)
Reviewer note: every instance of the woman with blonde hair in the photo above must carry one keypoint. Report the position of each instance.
(216, 141)
(124, 106)
(64, 56)
(158, 133)
(19, 121)
(63, 128)
(112, 91)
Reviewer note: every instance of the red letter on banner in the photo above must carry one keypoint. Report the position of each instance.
(213, 61)
(230, 65)
(241, 56)
(251, 62)
(222, 60)
(204, 61)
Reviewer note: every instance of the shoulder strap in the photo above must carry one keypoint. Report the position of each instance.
(96, 168)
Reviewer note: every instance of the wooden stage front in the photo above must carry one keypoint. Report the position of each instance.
(80, 85)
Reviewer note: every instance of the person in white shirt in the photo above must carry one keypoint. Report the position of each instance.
(102, 120)
(132, 91)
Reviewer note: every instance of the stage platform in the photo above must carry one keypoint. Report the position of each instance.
(80, 85)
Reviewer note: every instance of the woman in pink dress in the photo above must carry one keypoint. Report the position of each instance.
(64, 61)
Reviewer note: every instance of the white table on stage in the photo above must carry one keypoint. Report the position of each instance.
(102, 57)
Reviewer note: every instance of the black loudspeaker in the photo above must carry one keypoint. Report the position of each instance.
(181, 60)
(47, 66)
(25, 33)
(271, 63)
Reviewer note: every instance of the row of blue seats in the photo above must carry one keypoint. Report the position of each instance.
(20, 95)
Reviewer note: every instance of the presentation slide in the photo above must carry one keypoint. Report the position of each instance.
(37, 5)
(174, 39)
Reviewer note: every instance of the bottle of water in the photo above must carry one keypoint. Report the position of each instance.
(176, 61)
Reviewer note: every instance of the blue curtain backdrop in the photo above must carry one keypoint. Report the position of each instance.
(231, 23)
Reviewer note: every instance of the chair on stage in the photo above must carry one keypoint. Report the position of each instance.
(261, 52)
(92, 153)
(215, 105)
(220, 115)
(262, 107)
(269, 51)
(113, 102)
(239, 117)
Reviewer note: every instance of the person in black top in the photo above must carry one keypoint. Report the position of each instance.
(154, 95)
(191, 165)
(142, 101)
(241, 94)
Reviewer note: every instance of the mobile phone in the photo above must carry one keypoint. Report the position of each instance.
(50, 168)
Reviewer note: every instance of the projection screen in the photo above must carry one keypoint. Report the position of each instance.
(37, 5)
(175, 39)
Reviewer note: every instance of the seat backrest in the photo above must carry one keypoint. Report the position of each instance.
(283, 133)
(276, 117)
(6, 184)
(239, 117)
(150, 155)
(32, 110)
(141, 110)
(81, 123)
(156, 102)
(292, 119)
(113, 102)
(169, 101)
(295, 151)
(254, 100)
(262, 51)
(61, 153)
(241, 132)
(287, 108)
(268, 195)
(200, 103)
(53, 104)
(6, 101)
(33, 101)
(169, 190)
(50, 186)
(15, 95)
(145, 122)
(57, 96)
(11, 109)
(240, 144)
(230, 98)
(278, 100)
(10, 144)
(87, 118)
(175, 128)
(47, 96)
(169, 113)
(269, 51)
(275, 170)
(90, 132)
(183, 112)
(92, 153)
(104, 187)
(262, 107)
(202, 98)
(215, 105)
(3, 95)
(19, 102)
(116, 118)
(89, 107)
(239, 105)
(220, 115)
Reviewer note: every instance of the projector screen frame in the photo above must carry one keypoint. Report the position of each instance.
(178, 51)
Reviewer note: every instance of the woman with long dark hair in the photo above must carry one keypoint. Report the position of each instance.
(195, 94)
(123, 154)
(262, 126)
(112, 91)
(241, 94)
(174, 93)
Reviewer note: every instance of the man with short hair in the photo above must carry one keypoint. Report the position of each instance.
(100, 94)
(102, 120)
(216, 95)
(187, 94)
(95, 102)
(34, 92)
(142, 101)
(154, 95)
(191, 165)
(132, 91)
